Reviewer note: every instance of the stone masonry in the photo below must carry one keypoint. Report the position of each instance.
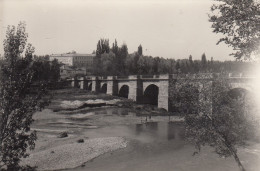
(168, 86)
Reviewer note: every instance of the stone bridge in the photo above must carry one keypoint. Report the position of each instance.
(160, 90)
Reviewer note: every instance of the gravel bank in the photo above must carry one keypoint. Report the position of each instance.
(74, 154)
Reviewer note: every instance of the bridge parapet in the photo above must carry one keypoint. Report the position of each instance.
(103, 78)
(130, 77)
(192, 76)
(240, 75)
(122, 77)
(166, 76)
(88, 77)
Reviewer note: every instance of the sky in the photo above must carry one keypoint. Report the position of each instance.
(165, 28)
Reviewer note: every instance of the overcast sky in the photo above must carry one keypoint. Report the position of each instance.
(165, 28)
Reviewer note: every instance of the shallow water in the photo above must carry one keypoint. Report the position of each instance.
(157, 146)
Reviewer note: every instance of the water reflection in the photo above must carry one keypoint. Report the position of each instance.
(120, 111)
(138, 129)
(152, 126)
(175, 131)
(147, 132)
(160, 131)
(171, 131)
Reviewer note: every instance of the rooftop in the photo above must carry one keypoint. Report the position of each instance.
(70, 55)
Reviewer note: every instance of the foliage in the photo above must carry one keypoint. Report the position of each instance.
(102, 47)
(117, 61)
(115, 48)
(204, 62)
(140, 50)
(45, 71)
(107, 61)
(227, 128)
(187, 99)
(120, 60)
(239, 22)
(18, 99)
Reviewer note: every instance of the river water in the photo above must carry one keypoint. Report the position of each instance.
(159, 146)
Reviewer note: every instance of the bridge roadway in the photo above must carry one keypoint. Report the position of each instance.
(161, 90)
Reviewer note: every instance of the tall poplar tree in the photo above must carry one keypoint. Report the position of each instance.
(17, 101)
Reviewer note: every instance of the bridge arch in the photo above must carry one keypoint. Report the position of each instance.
(235, 93)
(104, 88)
(124, 91)
(241, 86)
(150, 96)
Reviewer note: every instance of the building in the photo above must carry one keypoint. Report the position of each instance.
(75, 59)
(70, 71)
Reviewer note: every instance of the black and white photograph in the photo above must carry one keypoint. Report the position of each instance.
(129, 85)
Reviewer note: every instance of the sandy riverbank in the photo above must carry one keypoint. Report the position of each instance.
(74, 154)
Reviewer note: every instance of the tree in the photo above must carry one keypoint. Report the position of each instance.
(102, 47)
(140, 50)
(54, 71)
(186, 100)
(107, 61)
(227, 128)
(190, 59)
(239, 22)
(177, 66)
(115, 48)
(203, 62)
(18, 99)
(121, 60)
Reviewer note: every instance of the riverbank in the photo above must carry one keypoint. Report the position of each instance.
(75, 154)
(73, 113)
(82, 131)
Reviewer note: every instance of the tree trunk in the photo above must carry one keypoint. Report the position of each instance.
(241, 167)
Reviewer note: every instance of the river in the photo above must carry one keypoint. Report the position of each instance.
(157, 145)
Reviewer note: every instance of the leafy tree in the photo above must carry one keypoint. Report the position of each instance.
(135, 61)
(203, 60)
(190, 59)
(140, 50)
(115, 48)
(239, 22)
(187, 98)
(54, 71)
(121, 59)
(227, 128)
(122, 63)
(102, 47)
(177, 66)
(18, 99)
(107, 61)
(203, 63)
(155, 67)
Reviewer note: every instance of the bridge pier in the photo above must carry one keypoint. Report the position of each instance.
(89, 83)
(112, 85)
(168, 89)
(74, 82)
(83, 83)
(163, 96)
(95, 84)
(134, 85)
